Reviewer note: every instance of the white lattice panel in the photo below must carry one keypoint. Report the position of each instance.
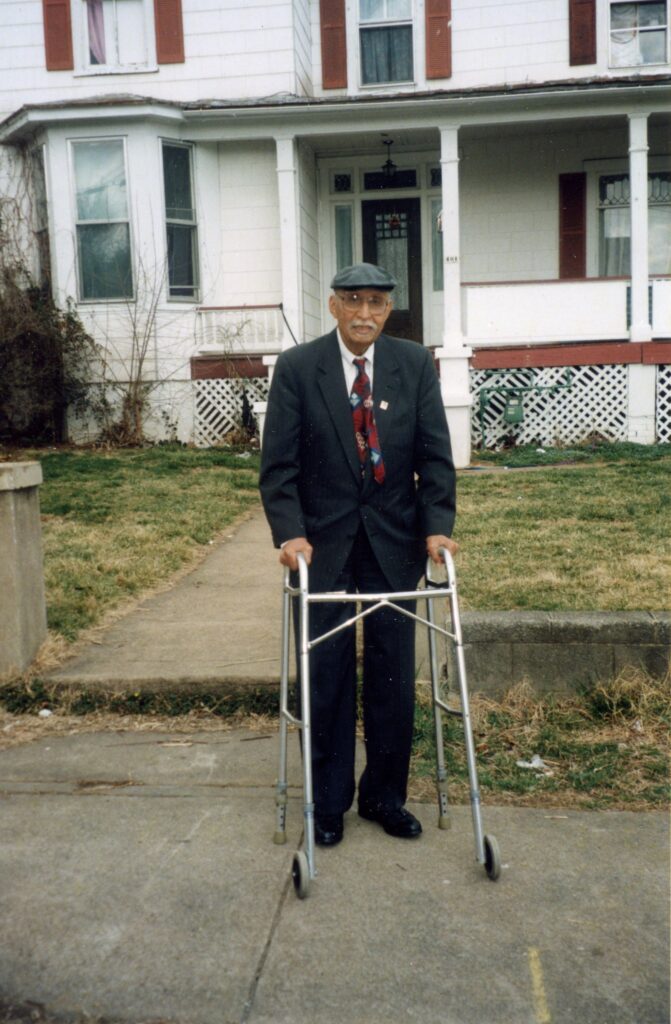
(663, 413)
(596, 403)
(219, 406)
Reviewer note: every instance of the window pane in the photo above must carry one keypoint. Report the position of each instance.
(391, 240)
(372, 10)
(437, 244)
(652, 14)
(177, 181)
(182, 260)
(614, 189)
(623, 16)
(104, 261)
(659, 240)
(131, 32)
(39, 188)
(100, 177)
(386, 54)
(399, 10)
(653, 47)
(343, 236)
(385, 10)
(95, 21)
(624, 49)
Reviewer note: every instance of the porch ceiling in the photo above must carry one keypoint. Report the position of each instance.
(369, 142)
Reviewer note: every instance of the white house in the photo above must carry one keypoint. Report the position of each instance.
(202, 167)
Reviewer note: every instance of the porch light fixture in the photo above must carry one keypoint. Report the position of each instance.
(388, 167)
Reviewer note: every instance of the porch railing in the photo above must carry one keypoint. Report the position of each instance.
(542, 312)
(238, 329)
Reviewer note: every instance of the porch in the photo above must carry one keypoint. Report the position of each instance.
(586, 382)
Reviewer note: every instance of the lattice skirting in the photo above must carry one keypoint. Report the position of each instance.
(596, 403)
(663, 411)
(218, 406)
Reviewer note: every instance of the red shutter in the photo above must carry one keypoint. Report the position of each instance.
(57, 35)
(582, 31)
(334, 44)
(438, 39)
(572, 225)
(169, 31)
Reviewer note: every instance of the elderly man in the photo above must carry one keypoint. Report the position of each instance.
(357, 476)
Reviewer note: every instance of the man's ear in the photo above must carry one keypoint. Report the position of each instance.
(332, 306)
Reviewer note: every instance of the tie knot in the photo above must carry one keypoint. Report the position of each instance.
(360, 363)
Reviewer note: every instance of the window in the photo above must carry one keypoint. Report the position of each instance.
(180, 217)
(343, 237)
(437, 243)
(103, 229)
(638, 33)
(116, 34)
(385, 40)
(614, 225)
(41, 218)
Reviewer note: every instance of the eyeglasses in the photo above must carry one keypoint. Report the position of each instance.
(353, 301)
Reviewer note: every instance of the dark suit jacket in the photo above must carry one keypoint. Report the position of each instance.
(311, 482)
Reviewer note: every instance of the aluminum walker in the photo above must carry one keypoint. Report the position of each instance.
(303, 866)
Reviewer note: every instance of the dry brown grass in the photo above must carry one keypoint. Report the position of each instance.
(607, 748)
(16, 730)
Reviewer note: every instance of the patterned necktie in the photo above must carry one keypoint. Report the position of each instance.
(365, 430)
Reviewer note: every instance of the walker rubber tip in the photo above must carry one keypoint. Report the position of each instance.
(280, 838)
(444, 822)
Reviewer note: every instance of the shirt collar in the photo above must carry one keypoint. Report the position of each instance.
(348, 356)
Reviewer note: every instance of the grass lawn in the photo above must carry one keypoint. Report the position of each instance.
(116, 524)
(593, 534)
(596, 535)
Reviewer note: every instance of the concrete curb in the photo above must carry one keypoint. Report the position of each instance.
(561, 651)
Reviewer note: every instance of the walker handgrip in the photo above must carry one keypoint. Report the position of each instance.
(449, 567)
(302, 570)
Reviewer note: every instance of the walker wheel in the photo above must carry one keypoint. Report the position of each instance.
(300, 874)
(492, 858)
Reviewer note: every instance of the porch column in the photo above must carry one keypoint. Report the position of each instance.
(641, 329)
(454, 353)
(641, 390)
(290, 254)
(287, 188)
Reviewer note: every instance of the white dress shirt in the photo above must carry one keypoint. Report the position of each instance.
(351, 372)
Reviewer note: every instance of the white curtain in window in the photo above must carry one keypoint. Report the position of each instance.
(343, 236)
(437, 243)
(615, 242)
(392, 254)
(659, 229)
(96, 28)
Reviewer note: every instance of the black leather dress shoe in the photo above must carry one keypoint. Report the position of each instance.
(329, 829)
(399, 823)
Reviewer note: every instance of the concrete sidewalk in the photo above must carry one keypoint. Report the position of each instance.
(139, 882)
(218, 625)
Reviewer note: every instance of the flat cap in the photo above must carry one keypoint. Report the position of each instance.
(364, 275)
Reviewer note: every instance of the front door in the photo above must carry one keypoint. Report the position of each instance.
(391, 239)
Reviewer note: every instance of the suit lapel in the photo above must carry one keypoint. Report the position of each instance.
(331, 381)
(386, 389)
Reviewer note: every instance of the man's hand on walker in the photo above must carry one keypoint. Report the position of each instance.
(294, 547)
(437, 541)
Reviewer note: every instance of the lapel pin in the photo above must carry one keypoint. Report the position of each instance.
(384, 405)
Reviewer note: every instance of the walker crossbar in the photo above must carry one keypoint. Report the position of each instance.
(303, 867)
